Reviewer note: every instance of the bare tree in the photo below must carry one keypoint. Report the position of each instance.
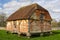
(3, 18)
(54, 23)
(59, 23)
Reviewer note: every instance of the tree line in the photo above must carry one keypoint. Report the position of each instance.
(3, 18)
(55, 23)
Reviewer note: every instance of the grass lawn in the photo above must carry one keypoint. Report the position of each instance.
(9, 36)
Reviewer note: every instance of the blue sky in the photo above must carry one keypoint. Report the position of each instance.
(4, 1)
(10, 6)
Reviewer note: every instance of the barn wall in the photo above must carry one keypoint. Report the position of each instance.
(47, 26)
(19, 26)
(9, 26)
(37, 27)
(24, 26)
(34, 16)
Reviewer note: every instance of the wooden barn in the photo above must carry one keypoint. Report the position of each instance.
(29, 20)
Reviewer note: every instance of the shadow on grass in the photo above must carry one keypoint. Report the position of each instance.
(55, 32)
(45, 34)
(38, 35)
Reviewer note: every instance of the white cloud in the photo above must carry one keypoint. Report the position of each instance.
(56, 10)
(24, 0)
(12, 6)
(1, 10)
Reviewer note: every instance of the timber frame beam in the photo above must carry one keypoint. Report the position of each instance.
(28, 34)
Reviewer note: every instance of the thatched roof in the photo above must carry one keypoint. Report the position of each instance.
(25, 12)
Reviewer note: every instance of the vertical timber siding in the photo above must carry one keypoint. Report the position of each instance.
(24, 26)
(35, 26)
(47, 27)
(21, 26)
(9, 26)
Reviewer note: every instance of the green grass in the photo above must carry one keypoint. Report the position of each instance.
(9, 36)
